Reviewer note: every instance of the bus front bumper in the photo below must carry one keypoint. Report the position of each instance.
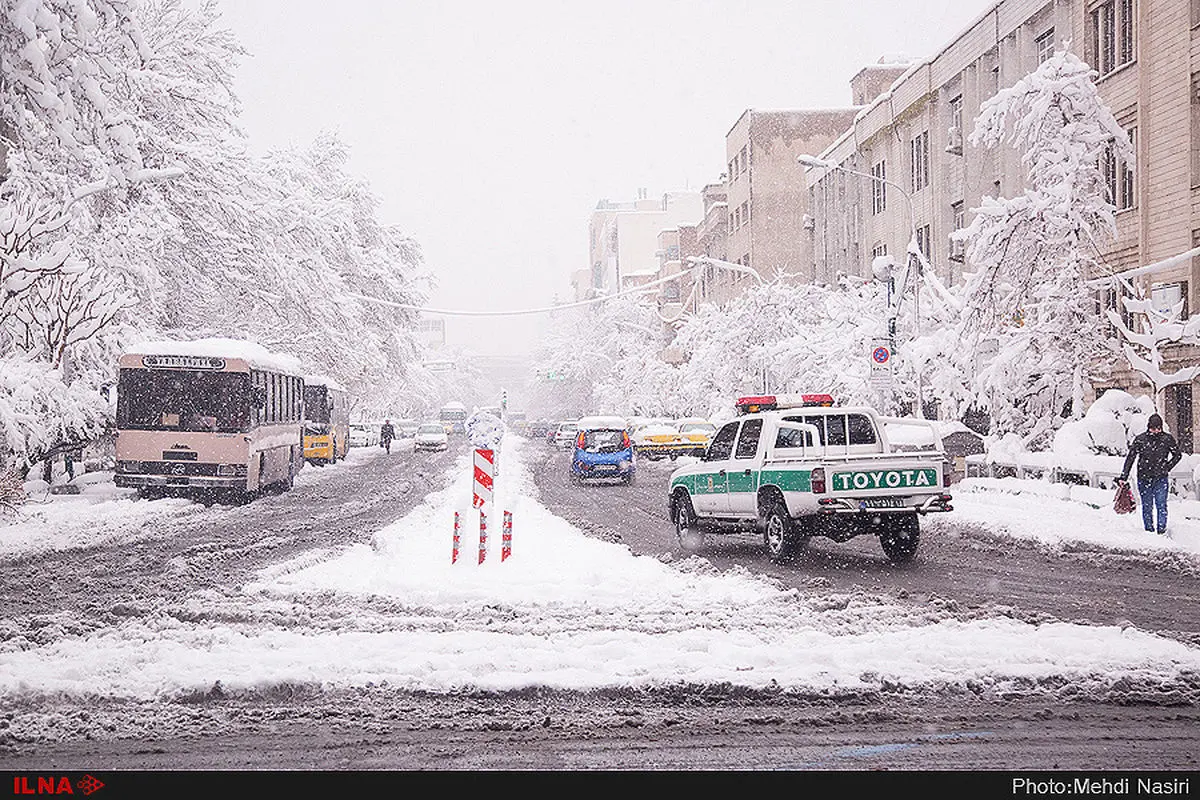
(128, 481)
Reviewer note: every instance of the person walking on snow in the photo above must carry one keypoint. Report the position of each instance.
(1156, 453)
(386, 434)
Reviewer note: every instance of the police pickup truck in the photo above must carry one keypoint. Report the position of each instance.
(794, 466)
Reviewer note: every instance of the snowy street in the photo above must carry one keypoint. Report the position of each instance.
(344, 588)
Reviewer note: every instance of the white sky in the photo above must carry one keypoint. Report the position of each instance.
(490, 130)
(566, 610)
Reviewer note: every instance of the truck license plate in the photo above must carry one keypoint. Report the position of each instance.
(883, 502)
(605, 467)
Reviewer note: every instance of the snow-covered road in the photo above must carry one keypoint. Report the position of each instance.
(565, 611)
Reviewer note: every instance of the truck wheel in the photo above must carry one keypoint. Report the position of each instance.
(779, 534)
(900, 537)
(687, 525)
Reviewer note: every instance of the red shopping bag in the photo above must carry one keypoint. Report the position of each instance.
(1124, 503)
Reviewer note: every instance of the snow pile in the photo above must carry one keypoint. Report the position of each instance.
(1107, 428)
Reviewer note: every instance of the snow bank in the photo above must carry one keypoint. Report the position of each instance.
(1107, 428)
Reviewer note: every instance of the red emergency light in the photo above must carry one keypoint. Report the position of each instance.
(770, 402)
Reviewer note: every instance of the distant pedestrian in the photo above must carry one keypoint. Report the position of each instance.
(1156, 453)
(386, 434)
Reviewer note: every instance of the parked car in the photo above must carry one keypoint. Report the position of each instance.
(564, 434)
(602, 450)
(431, 436)
(364, 434)
(656, 438)
(694, 435)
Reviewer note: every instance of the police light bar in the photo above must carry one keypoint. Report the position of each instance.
(770, 402)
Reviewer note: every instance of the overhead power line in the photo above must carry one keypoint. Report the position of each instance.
(546, 309)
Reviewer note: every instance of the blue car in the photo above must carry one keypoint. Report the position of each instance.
(602, 451)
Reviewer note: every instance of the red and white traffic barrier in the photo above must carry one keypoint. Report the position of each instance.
(485, 461)
(454, 554)
(506, 537)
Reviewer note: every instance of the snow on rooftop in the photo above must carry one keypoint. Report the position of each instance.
(252, 353)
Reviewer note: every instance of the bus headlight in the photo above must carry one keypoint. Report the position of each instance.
(129, 466)
(226, 470)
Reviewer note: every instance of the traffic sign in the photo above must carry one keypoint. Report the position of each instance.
(881, 364)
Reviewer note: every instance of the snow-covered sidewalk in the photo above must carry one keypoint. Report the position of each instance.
(1058, 513)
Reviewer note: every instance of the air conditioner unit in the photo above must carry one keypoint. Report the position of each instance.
(954, 141)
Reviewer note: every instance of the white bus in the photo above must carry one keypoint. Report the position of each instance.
(212, 414)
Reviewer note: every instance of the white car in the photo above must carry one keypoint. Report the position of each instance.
(363, 434)
(565, 435)
(431, 436)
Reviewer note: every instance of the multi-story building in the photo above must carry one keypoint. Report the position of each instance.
(767, 197)
(925, 177)
(623, 237)
(712, 240)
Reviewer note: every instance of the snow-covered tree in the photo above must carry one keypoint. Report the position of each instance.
(1143, 344)
(1024, 345)
(127, 183)
(783, 337)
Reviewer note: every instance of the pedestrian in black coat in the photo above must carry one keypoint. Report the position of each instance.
(386, 434)
(1156, 453)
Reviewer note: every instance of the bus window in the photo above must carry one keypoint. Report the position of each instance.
(182, 400)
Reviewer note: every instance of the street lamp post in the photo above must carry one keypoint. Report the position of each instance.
(913, 261)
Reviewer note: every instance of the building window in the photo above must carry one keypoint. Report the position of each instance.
(1196, 127)
(1110, 299)
(956, 247)
(925, 243)
(1118, 177)
(920, 161)
(880, 249)
(1043, 46)
(879, 188)
(1110, 28)
(746, 212)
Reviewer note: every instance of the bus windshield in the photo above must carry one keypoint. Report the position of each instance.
(183, 400)
(316, 404)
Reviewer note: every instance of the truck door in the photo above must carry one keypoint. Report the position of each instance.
(711, 478)
(742, 472)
